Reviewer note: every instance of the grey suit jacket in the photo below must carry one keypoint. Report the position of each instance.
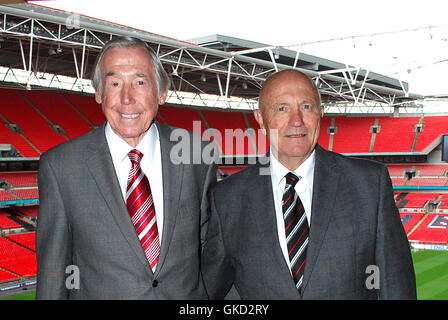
(83, 221)
(354, 224)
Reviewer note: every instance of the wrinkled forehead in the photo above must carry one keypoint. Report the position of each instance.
(286, 84)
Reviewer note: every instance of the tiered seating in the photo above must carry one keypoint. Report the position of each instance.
(434, 127)
(398, 181)
(27, 193)
(7, 276)
(5, 195)
(17, 110)
(27, 239)
(398, 169)
(414, 199)
(353, 135)
(87, 105)
(396, 134)
(6, 222)
(444, 200)
(29, 211)
(431, 169)
(237, 144)
(410, 219)
(182, 117)
(15, 139)
(425, 181)
(58, 111)
(433, 229)
(17, 259)
(20, 179)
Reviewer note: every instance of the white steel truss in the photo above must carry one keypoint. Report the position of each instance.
(32, 37)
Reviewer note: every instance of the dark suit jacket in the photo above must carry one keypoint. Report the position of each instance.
(83, 221)
(354, 224)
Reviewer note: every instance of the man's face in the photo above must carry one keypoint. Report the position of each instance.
(290, 105)
(129, 99)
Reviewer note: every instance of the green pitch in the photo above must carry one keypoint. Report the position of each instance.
(431, 272)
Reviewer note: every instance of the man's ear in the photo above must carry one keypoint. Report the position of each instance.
(98, 98)
(259, 117)
(163, 97)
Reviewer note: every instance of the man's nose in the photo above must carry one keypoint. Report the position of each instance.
(127, 95)
(296, 118)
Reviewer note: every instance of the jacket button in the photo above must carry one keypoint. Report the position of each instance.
(155, 283)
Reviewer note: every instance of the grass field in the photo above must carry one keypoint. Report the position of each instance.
(431, 272)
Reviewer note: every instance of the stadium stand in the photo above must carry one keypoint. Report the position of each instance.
(395, 134)
(223, 121)
(410, 219)
(182, 117)
(87, 106)
(6, 195)
(34, 111)
(15, 139)
(353, 134)
(433, 229)
(7, 276)
(433, 127)
(16, 258)
(26, 239)
(55, 108)
(20, 179)
(35, 127)
(414, 200)
(29, 211)
(6, 222)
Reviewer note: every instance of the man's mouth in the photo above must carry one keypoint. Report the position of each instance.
(130, 116)
(296, 135)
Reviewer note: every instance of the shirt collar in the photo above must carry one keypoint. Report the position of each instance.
(119, 148)
(305, 171)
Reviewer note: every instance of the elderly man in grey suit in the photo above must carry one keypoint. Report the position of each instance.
(118, 218)
(310, 224)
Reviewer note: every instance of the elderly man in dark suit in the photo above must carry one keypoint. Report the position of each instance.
(120, 215)
(311, 224)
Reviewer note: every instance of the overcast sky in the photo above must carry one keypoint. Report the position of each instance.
(413, 56)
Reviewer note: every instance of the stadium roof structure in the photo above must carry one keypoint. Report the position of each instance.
(43, 47)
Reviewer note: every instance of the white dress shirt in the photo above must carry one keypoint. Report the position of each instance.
(304, 189)
(151, 165)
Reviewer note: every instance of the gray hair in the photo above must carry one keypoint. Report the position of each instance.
(162, 79)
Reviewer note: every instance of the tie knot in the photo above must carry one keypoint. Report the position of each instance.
(135, 156)
(291, 179)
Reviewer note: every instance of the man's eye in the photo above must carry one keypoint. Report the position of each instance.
(281, 108)
(307, 106)
(140, 82)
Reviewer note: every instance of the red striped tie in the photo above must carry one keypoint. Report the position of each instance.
(141, 208)
(296, 229)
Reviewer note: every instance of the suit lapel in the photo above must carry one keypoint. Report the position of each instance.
(99, 163)
(172, 185)
(263, 206)
(326, 179)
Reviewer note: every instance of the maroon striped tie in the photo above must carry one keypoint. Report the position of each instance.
(296, 229)
(141, 208)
